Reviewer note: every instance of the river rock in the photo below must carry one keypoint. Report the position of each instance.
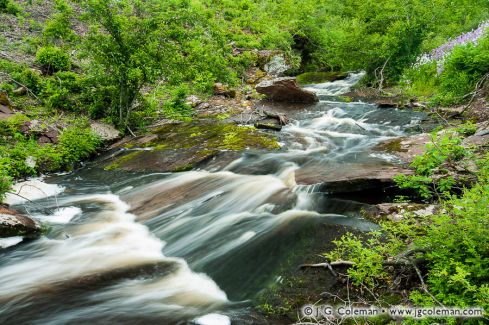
(399, 211)
(14, 224)
(349, 177)
(406, 148)
(286, 89)
(269, 124)
(223, 90)
(105, 131)
(48, 137)
(480, 138)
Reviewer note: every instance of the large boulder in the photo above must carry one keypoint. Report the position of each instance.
(106, 132)
(286, 89)
(14, 224)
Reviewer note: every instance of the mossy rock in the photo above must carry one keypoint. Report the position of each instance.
(319, 77)
(182, 147)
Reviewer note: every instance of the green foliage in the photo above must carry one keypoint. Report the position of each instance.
(176, 107)
(22, 156)
(77, 143)
(63, 91)
(456, 266)
(463, 68)
(58, 27)
(445, 149)
(9, 7)
(5, 183)
(468, 128)
(53, 59)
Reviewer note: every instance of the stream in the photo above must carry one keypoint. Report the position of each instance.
(196, 246)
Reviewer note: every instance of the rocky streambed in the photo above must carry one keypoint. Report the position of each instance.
(192, 221)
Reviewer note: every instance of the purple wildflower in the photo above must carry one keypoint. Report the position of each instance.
(440, 53)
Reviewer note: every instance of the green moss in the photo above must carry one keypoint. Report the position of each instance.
(391, 146)
(183, 168)
(218, 136)
(319, 77)
(124, 159)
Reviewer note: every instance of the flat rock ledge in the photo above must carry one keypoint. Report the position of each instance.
(406, 148)
(348, 178)
(286, 89)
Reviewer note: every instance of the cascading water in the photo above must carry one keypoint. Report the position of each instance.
(167, 248)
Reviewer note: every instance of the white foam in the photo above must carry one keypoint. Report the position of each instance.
(61, 215)
(31, 190)
(10, 241)
(213, 319)
(337, 87)
(111, 240)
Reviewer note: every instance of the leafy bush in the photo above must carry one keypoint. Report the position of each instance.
(462, 69)
(58, 27)
(63, 91)
(5, 183)
(53, 59)
(22, 156)
(77, 143)
(444, 149)
(9, 7)
(176, 107)
(455, 267)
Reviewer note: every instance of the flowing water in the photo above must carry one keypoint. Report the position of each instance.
(128, 248)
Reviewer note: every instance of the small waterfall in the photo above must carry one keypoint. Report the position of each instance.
(337, 87)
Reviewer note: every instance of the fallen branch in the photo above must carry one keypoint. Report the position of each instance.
(425, 287)
(328, 266)
(478, 86)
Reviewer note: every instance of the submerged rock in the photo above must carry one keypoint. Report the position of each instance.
(320, 77)
(286, 89)
(31, 190)
(13, 224)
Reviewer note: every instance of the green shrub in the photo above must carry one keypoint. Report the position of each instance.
(444, 149)
(9, 7)
(58, 27)
(63, 91)
(77, 143)
(5, 183)
(450, 247)
(176, 107)
(53, 59)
